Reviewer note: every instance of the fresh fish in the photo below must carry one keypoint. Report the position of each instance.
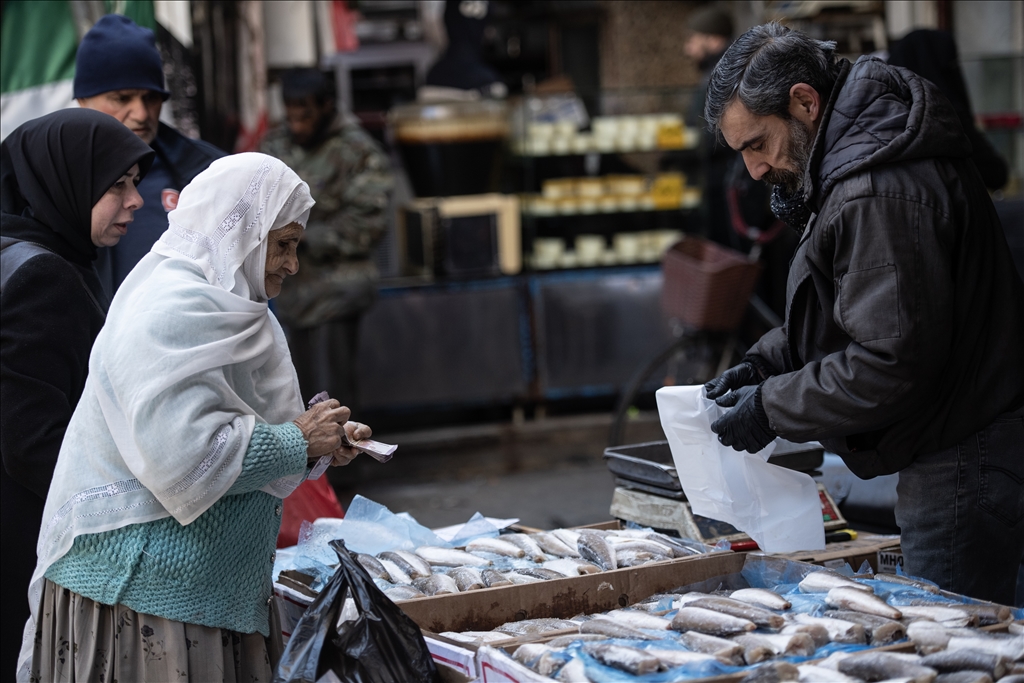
(818, 633)
(477, 637)
(566, 641)
(436, 584)
(947, 616)
(467, 578)
(396, 573)
(720, 648)
(450, 557)
(532, 627)
(493, 578)
(571, 566)
(839, 631)
(1016, 627)
(710, 622)
(373, 566)
(880, 631)
(527, 545)
(541, 658)
(410, 563)
(859, 601)
(819, 674)
(965, 677)
(628, 659)
(987, 613)
(793, 645)
(761, 597)
(879, 666)
(539, 573)
(776, 672)
(755, 653)
(671, 658)
(594, 548)
(824, 580)
(638, 619)
(1011, 648)
(1012, 678)
(567, 536)
(404, 593)
(907, 581)
(573, 672)
(635, 558)
(614, 629)
(648, 546)
(760, 616)
(928, 636)
(522, 579)
(552, 545)
(948, 661)
(496, 546)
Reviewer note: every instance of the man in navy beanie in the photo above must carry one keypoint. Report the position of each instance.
(118, 71)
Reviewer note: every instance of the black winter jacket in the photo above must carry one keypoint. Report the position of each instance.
(904, 329)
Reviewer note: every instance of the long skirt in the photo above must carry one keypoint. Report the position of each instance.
(78, 639)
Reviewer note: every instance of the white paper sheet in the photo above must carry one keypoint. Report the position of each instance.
(779, 508)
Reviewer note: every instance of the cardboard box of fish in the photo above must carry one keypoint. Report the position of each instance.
(726, 617)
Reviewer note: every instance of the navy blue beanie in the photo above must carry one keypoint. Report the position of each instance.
(118, 54)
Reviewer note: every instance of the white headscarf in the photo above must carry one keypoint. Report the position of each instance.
(190, 358)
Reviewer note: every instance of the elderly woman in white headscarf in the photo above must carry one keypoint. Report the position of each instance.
(157, 543)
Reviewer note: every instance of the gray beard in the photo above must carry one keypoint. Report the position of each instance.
(799, 155)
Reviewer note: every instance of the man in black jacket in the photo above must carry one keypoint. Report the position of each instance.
(118, 71)
(901, 349)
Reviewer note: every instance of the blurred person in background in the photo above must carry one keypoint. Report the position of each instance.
(461, 72)
(118, 71)
(69, 187)
(933, 55)
(901, 346)
(349, 176)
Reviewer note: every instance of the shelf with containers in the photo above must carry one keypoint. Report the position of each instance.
(615, 189)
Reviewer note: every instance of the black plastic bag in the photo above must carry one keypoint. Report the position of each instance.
(379, 645)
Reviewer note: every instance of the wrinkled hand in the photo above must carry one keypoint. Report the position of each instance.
(742, 427)
(742, 375)
(354, 431)
(321, 425)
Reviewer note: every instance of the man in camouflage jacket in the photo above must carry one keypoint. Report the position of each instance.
(349, 176)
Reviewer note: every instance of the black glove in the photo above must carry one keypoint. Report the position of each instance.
(745, 427)
(742, 375)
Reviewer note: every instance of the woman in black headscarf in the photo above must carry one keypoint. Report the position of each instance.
(67, 186)
(933, 55)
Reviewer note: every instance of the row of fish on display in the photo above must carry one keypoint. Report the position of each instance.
(519, 558)
(773, 635)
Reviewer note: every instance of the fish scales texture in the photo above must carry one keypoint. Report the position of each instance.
(628, 659)
(987, 614)
(723, 649)
(496, 546)
(819, 634)
(758, 615)
(796, 644)
(672, 658)
(536, 626)
(410, 563)
(638, 619)
(436, 584)
(404, 593)
(760, 597)
(907, 581)
(879, 666)
(614, 629)
(540, 573)
(396, 573)
(859, 601)
(966, 660)
(1011, 648)
(567, 536)
(839, 630)
(879, 629)
(776, 672)
(710, 622)
(635, 558)
(552, 545)
(527, 545)
(450, 557)
(372, 566)
(573, 672)
(467, 578)
(965, 677)
(571, 566)
(947, 616)
(823, 581)
(596, 549)
(566, 641)
(493, 578)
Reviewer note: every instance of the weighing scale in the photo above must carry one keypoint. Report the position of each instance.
(648, 491)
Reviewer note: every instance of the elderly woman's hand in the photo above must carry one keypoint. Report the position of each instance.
(322, 425)
(354, 431)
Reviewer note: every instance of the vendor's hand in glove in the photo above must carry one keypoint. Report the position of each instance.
(745, 427)
(744, 374)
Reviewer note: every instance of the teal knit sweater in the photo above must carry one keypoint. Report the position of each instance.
(214, 572)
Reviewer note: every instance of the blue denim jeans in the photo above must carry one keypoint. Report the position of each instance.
(961, 512)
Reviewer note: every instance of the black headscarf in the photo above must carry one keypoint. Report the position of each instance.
(55, 168)
(933, 55)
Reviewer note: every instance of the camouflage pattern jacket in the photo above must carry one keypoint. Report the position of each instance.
(349, 176)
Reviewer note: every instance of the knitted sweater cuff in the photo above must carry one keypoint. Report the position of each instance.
(759, 412)
(274, 451)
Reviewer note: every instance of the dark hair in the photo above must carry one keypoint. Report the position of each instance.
(298, 84)
(762, 65)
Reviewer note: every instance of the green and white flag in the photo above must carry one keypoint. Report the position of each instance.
(38, 42)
